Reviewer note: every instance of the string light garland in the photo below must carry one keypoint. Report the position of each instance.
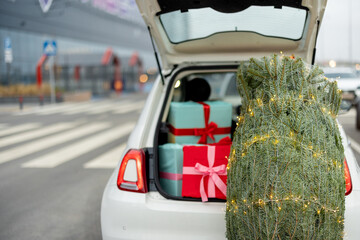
(263, 202)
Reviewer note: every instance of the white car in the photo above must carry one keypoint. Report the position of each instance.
(347, 79)
(204, 39)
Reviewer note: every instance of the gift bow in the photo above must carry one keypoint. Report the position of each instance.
(209, 127)
(208, 131)
(212, 172)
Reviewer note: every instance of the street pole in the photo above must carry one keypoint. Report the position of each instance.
(52, 81)
(350, 33)
(8, 69)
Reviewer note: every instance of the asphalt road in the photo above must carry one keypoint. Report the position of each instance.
(56, 160)
(347, 120)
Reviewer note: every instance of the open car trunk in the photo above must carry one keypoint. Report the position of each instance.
(211, 38)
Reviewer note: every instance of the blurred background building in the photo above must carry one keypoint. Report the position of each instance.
(97, 42)
(103, 45)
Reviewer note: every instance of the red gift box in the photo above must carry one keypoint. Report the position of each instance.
(204, 171)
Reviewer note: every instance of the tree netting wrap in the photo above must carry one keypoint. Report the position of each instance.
(286, 167)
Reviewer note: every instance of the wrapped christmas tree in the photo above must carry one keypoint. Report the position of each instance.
(285, 172)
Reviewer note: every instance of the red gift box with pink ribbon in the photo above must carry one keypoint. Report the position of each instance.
(204, 170)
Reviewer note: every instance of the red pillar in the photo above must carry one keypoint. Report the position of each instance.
(39, 70)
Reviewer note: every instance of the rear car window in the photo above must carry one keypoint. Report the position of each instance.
(222, 85)
(285, 22)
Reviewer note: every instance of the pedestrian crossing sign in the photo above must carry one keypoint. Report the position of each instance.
(50, 48)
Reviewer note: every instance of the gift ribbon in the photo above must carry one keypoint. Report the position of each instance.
(179, 176)
(209, 130)
(212, 172)
(223, 141)
(171, 176)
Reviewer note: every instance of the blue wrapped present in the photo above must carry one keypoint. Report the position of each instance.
(199, 122)
(171, 167)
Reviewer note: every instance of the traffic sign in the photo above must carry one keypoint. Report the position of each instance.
(45, 5)
(50, 48)
(7, 43)
(8, 50)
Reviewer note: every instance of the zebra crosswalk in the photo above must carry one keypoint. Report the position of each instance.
(87, 108)
(53, 145)
(65, 154)
(51, 141)
(46, 142)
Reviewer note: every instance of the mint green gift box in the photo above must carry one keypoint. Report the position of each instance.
(171, 163)
(190, 115)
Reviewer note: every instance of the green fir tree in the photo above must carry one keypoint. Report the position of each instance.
(286, 167)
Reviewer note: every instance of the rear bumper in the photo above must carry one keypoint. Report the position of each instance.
(352, 216)
(127, 215)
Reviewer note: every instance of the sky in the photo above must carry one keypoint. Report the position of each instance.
(339, 35)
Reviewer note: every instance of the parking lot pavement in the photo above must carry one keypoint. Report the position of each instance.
(54, 163)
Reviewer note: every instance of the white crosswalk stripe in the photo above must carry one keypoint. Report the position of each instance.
(60, 109)
(129, 108)
(79, 108)
(106, 107)
(3, 125)
(108, 160)
(41, 144)
(43, 109)
(65, 154)
(36, 133)
(91, 107)
(28, 111)
(103, 109)
(18, 128)
(96, 108)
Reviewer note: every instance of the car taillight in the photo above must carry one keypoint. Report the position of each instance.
(140, 184)
(348, 184)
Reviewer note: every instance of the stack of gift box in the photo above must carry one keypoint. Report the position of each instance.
(193, 163)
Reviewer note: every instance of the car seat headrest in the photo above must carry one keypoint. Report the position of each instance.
(197, 90)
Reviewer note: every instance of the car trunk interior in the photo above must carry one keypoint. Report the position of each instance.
(214, 85)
